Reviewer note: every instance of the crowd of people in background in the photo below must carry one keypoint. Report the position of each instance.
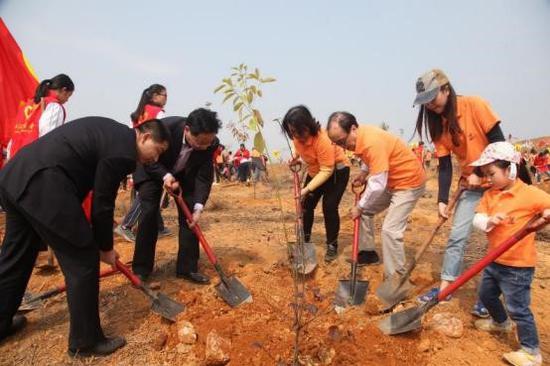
(243, 166)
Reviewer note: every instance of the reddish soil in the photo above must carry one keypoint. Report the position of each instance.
(247, 234)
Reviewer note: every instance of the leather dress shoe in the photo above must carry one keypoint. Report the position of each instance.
(102, 348)
(142, 277)
(18, 322)
(195, 277)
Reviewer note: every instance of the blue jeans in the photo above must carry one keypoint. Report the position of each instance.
(461, 230)
(514, 283)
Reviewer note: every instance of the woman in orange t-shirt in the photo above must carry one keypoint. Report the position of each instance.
(328, 173)
(461, 126)
(503, 210)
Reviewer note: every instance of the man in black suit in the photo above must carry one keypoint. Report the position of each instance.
(187, 164)
(42, 189)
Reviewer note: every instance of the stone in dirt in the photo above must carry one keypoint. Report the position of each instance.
(447, 324)
(217, 350)
(326, 355)
(159, 341)
(186, 332)
(424, 345)
(335, 333)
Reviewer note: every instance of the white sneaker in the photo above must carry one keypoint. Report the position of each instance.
(489, 325)
(523, 358)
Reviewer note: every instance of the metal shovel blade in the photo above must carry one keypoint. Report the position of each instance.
(345, 296)
(403, 321)
(162, 304)
(393, 290)
(166, 307)
(29, 303)
(304, 258)
(233, 292)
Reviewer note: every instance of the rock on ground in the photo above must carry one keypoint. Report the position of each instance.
(186, 332)
(217, 350)
(447, 324)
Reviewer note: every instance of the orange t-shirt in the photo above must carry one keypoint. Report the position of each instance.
(319, 151)
(519, 204)
(383, 152)
(476, 119)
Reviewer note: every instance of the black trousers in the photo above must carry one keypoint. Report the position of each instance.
(79, 263)
(147, 234)
(331, 191)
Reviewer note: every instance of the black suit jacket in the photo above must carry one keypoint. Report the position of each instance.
(92, 153)
(197, 176)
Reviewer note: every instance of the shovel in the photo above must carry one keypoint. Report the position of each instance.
(352, 291)
(161, 304)
(230, 289)
(411, 319)
(32, 302)
(304, 258)
(396, 288)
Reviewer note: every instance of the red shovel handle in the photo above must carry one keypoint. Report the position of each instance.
(128, 273)
(357, 190)
(196, 229)
(297, 193)
(491, 256)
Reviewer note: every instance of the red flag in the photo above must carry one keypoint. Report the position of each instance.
(17, 82)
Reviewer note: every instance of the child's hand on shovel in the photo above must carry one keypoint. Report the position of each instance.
(544, 219)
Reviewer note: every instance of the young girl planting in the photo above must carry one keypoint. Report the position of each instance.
(504, 209)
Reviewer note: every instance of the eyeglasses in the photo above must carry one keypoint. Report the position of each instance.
(163, 95)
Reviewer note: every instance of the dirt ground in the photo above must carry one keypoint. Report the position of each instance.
(246, 232)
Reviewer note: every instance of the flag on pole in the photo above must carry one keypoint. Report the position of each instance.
(18, 82)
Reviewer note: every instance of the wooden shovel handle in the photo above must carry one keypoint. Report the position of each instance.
(442, 220)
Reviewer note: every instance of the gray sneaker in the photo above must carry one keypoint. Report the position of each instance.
(164, 232)
(126, 233)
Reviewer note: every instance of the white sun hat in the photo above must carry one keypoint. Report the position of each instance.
(501, 150)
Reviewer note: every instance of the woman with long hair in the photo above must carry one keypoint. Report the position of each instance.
(41, 114)
(461, 126)
(327, 173)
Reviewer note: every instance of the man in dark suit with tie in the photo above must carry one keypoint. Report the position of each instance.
(187, 164)
(42, 189)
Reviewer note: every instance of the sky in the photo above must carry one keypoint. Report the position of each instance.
(360, 56)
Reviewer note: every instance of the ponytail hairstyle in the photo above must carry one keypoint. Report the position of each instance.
(146, 98)
(432, 122)
(58, 82)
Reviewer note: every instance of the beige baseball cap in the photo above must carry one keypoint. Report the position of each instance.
(428, 85)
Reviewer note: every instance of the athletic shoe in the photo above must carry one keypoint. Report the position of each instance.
(331, 253)
(431, 295)
(164, 232)
(480, 310)
(489, 325)
(126, 233)
(523, 358)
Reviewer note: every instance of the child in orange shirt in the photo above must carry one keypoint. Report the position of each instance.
(503, 210)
